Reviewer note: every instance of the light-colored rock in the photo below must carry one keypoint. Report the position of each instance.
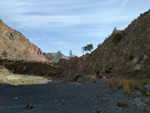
(135, 60)
(137, 67)
(139, 102)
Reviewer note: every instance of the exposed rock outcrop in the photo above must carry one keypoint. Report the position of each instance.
(15, 46)
(123, 53)
(31, 68)
(20, 56)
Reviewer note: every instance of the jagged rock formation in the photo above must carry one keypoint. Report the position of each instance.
(125, 52)
(15, 46)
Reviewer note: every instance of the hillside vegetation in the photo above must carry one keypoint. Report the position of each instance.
(124, 53)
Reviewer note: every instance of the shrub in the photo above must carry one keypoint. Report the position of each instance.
(4, 53)
(116, 37)
(124, 83)
(127, 89)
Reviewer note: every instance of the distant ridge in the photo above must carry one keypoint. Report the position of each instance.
(54, 58)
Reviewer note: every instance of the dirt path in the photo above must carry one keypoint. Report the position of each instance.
(57, 97)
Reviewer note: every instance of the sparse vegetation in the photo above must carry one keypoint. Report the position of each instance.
(59, 55)
(116, 36)
(70, 54)
(125, 83)
(89, 47)
(4, 53)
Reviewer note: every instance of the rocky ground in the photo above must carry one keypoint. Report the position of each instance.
(70, 97)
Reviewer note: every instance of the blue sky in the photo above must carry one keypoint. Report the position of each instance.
(68, 25)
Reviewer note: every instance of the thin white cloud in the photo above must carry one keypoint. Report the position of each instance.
(123, 4)
(62, 44)
(51, 14)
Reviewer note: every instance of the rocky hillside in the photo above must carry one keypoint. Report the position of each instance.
(15, 46)
(20, 56)
(123, 53)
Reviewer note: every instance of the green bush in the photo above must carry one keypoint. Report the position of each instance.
(116, 37)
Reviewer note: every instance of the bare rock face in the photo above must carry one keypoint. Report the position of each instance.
(125, 52)
(15, 46)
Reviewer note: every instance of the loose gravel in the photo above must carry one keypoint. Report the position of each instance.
(72, 97)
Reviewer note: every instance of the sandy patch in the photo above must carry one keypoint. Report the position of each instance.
(15, 79)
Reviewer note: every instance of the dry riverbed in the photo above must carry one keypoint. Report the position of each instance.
(58, 96)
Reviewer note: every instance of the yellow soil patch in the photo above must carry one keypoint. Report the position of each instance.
(15, 79)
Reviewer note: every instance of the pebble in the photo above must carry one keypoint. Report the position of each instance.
(29, 106)
(15, 98)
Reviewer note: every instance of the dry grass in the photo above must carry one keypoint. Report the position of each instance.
(144, 81)
(125, 83)
(126, 89)
(94, 79)
(15, 79)
(104, 77)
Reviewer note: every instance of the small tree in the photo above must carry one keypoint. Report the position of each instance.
(89, 47)
(84, 49)
(70, 54)
(59, 55)
(115, 29)
(116, 36)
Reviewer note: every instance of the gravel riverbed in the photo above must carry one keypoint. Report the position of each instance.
(59, 97)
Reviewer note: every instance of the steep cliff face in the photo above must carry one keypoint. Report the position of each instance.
(125, 52)
(15, 46)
